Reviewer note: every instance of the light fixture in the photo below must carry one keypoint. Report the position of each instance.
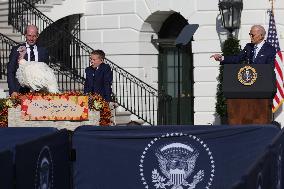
(230, 11)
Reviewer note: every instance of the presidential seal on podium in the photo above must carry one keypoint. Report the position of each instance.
(247, 75)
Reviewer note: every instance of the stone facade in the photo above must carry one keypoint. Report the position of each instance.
(124, 28)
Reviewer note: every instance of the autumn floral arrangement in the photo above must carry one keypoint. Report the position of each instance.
(5, 104)
(96, 102)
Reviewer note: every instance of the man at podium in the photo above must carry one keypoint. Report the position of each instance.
(256, 52)
(249, 89)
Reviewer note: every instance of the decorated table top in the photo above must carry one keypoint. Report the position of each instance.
(71, 107)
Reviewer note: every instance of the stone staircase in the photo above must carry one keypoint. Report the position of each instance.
(48, 5)
(6, 29)
(10, 32)
(4, 85)
(122, 117)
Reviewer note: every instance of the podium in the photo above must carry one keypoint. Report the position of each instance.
(249, 90)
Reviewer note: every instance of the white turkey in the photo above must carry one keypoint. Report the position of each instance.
(35, 75)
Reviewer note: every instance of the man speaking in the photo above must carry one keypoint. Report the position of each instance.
(256, 52)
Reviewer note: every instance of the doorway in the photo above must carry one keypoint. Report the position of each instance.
(176, 71)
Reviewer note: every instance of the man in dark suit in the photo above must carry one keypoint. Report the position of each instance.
(256, 52)
(98, 76)
(34, 53)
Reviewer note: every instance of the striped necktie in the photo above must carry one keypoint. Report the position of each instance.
(254, 53)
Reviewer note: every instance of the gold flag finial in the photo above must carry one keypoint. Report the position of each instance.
(272, 6)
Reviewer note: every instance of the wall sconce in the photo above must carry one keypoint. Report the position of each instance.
(230, 11)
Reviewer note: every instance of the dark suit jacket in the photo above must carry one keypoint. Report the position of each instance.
(13, 65)
(266, 55)
(99, 81)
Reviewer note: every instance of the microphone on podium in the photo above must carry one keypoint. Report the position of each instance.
(247, 56)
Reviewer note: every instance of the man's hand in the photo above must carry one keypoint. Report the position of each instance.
(22, 51)
(14, 94)
(217, 57)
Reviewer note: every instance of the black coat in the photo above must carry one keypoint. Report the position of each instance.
(13, 65)
(99, 81)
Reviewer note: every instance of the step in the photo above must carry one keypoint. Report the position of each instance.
(44, 7)
(17, 38)
(4, 23)
(57, 2)
(7, 93)
(5, 30)
(4, 18)
(4, 11)
(4, 1)
(122, 118)
(135, 122)
(3, 7)
(4, 85)
(11, 33)
(54, 2)
(4, 4)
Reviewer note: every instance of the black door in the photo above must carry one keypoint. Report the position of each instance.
(176, 79)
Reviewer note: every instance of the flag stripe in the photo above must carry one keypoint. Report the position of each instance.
(280, 89)
(273, 40)
(279, 71)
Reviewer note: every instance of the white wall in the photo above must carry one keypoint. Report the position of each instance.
(65, 8)
(123, 28)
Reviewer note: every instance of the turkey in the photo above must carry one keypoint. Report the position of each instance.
(35, 75)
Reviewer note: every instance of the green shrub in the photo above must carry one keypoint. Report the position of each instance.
(230, 47)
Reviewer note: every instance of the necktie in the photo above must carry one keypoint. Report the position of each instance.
(32, 54)
(254, 53)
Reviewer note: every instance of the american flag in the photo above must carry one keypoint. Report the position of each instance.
(273, 40)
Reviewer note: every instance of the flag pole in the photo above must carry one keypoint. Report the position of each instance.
(272, 12)
(272, 6)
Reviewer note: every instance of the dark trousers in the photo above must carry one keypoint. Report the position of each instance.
(24, 90)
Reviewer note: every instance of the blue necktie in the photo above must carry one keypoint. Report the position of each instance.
(254, 53)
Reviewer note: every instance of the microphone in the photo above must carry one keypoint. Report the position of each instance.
(247, 56)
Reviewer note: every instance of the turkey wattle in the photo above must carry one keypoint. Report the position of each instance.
(37, 76)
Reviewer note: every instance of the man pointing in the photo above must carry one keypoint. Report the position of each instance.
(256, 52)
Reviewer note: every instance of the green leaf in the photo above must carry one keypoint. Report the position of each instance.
(230, 47)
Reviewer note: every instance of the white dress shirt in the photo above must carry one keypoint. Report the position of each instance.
(29, 52)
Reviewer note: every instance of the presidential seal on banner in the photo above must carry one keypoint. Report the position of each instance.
(44, 170)
(247, 75)
(177, 161)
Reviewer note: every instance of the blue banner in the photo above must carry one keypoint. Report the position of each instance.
(267, 170)
(11, 136)
(166, 156)
(6, 171)
(44, 163)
